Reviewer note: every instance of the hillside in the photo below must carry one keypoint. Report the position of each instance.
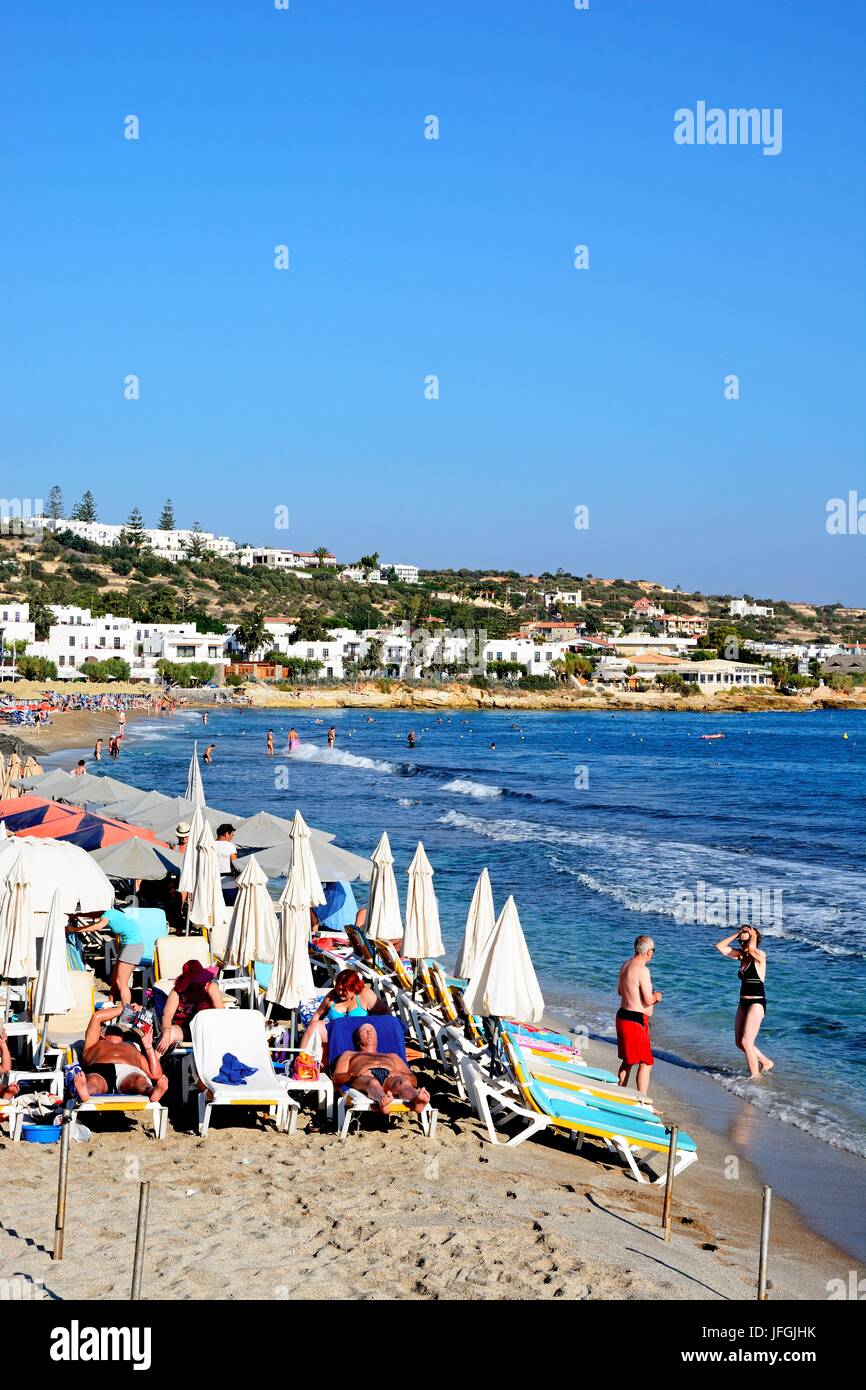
(217, 595)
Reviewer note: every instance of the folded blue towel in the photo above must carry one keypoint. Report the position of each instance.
(232, 1071)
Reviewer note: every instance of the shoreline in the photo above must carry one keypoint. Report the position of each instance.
(724, 1125)
(457, 696)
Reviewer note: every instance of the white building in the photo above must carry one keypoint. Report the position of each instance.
(78, 638)
(15, 624)
(571, 598)
(740, 608)
(716, 674)
(355, 574)
(407, 573)
(644, 644)
(166, 545)
(174, 545)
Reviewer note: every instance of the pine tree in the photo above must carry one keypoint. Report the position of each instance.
(166, 519)
(85, 510)
(195, 547)
(134, 533)
(55, 503)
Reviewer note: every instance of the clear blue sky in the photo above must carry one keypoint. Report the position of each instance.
(410, 257)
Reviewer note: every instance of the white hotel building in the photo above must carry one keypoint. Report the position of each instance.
(78, 638)
(405, 654)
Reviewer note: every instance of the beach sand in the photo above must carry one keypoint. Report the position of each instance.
(249, 1213)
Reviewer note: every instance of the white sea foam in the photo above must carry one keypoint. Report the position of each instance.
(823, 907)
(336, 757)
(464, 786)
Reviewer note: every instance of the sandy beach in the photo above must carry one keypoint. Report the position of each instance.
(249, 1213)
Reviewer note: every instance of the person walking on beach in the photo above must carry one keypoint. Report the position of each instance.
(638, 998)
(752, 1008)
(270, 743)
(332, 735)
(121, 723)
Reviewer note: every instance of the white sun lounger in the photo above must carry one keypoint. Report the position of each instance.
(242, 1033)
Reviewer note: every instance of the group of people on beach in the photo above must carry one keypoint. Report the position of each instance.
(638, 1000)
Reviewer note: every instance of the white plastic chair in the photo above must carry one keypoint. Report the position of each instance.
(242, 1033)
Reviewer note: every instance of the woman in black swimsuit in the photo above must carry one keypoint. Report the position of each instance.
(753, 996)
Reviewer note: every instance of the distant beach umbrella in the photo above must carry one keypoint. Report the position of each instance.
(303, 861)
(53, 783)
(383, 912)
(253, 928)
(52, 992)
(137, 859)
(333, 864)
(504, 984)
(194, 784)
(423, 935)
(51, 864)
(264, 830)
(480, 922)
(186, 882)
(206, 906)
(292, 978)
(17, 936)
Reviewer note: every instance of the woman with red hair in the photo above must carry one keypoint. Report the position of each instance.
(349, 997)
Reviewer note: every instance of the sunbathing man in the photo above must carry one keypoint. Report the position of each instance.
(383, 1076)
(111, 1062)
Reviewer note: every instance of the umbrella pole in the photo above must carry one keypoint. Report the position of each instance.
(294, 1034)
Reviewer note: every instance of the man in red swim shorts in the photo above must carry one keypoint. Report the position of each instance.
(632, 1020)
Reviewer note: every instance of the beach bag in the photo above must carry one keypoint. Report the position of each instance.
(306, 1068)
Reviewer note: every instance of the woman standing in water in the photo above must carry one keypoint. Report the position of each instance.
(752, 1009)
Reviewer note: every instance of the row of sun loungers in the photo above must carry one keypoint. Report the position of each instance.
(516, 1078)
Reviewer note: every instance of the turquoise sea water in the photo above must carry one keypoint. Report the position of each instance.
(596, 823)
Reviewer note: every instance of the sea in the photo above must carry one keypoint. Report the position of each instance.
(604, 826)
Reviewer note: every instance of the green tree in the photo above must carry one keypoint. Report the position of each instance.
(374, 656)
(166, 516)
(369, 562)
(321, 553)
(85, 510)
(113, 669)
(37, 668)
(251, 633)
(195, 546)
(186, 673)
(309, 628)
(55, 503)
(134, 534)
(40, 615)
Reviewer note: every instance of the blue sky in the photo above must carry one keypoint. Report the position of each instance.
(410, 257)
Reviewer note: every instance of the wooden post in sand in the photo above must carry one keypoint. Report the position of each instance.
(669, 1182)
(62, 1179)
(765, 1243)
(140, 1240)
